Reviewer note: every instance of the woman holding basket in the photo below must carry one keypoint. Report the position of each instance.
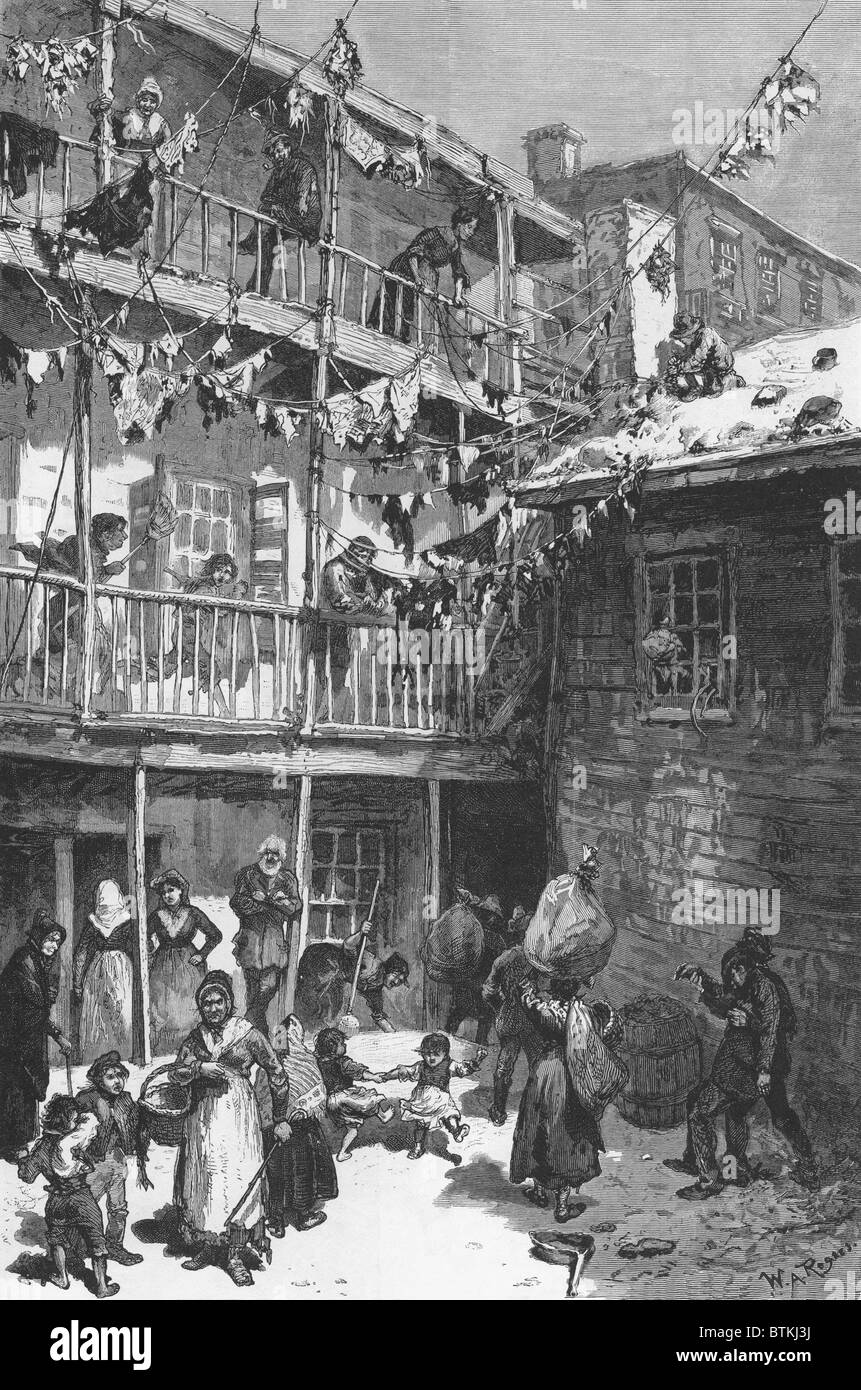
(218, 1184)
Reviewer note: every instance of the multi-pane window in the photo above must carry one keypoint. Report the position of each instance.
(345, 865)
(767, 282)
(206, 526)
(686, 594)
(846, 673)
(811, 300)
(724, 253)
(698, 303)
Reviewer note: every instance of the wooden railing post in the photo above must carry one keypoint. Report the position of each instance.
(141, 1041)
(105, 88)
(302, 867)
(82, 423)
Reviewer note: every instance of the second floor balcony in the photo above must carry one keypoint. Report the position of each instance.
(187, 662)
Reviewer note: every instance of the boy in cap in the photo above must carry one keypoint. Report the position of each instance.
(121, 1131)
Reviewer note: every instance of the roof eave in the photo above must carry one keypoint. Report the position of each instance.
(702, 470)
(442, 142)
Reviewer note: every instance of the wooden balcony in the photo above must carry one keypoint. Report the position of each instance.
(381, 319)
(177, 661)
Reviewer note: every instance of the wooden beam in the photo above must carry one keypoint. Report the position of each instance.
(82, 424)
(302, 870)
(64, 913)
(104, 77)
(141, 1041)
(431, 906)
(447, 759)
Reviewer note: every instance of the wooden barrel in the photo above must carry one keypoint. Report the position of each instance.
(663, 1053)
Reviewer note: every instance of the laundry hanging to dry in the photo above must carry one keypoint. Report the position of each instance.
(29, 146)
(119, 215)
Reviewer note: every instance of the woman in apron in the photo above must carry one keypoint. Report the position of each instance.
(102, 975)
(222, 1146)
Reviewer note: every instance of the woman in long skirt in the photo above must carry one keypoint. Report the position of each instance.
(176, 964)
(102, 975)
(556, 1139)
(221, 1208)
(28, 989)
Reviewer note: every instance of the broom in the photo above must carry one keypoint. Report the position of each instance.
(161, 523)
(349, 1024)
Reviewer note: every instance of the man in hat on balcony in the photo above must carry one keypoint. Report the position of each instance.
(292, 198)
(266, 900)
(704, 364)
(348, 584)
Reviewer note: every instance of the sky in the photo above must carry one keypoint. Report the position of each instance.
(619, 71)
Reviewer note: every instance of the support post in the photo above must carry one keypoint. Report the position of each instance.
(431, 817)
(82, 423)
(103, 105)
(301, 868)
(64, 913)
(141, 1041)
(320, 386)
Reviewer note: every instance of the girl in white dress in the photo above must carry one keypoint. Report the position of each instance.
(431, 1102)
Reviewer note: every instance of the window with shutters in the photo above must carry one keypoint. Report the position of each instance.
(767, 282)
(811, 300)
(269, 542)
(345, 865)
(724, 256)
(207, 524)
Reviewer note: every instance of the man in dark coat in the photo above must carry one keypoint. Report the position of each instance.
(514, 1029)
(467, 1000)
(292, 197)
(28, 989)
(704, 357)
(266, 900)
(752, 1061)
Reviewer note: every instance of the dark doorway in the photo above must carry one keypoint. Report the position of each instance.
(498, 842)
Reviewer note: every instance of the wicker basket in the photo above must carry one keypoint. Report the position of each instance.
(165, 1104)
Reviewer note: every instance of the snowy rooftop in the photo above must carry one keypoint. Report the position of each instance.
(691, 438)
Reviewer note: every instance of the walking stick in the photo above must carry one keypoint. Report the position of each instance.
(69, 1072)
(349, 1023)
(251, 1186)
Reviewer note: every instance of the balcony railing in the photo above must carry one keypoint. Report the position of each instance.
(199, 234)
(186, 659)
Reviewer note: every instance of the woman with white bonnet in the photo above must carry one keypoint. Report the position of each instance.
(142, 127)
(102, 975)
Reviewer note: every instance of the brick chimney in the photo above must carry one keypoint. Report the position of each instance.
(554, 152)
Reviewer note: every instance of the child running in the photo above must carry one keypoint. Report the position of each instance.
(72, 1214)
(431, 1102)
(347, 1102)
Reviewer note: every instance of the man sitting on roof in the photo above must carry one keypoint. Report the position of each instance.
(704, 366)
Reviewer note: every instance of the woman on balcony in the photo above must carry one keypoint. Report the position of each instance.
(219, 577)
(421, 262)
(177, 965)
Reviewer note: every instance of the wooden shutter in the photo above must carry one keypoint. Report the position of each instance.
(269, 542)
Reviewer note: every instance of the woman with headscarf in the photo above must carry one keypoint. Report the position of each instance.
(102, 975)
(28, 989)
(220, 1205)
(572, 1077)
(176, 964)
(142, 127)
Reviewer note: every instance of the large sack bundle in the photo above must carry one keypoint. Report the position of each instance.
(454, 946)
(571, 936)
(595, 1072)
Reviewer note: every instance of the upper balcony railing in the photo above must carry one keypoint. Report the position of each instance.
(201, 234)
(180, 660)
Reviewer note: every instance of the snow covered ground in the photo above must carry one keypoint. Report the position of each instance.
(451, 1226)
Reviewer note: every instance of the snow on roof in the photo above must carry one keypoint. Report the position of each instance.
(669, 430)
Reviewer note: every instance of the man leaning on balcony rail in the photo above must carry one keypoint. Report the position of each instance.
(292, 197)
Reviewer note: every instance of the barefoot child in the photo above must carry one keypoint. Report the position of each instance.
(72, 1214)
(347, 1102)
(301, 1173)
(431, 1102)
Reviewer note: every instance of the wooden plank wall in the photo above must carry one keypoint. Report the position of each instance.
(773, 801)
